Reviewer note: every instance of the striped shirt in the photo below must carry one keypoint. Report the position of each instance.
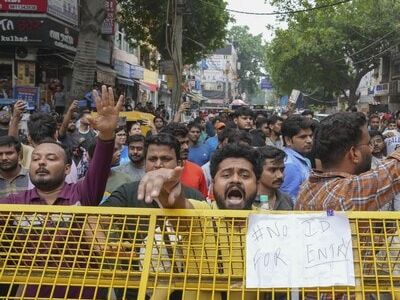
(18, 184)
(342, 191)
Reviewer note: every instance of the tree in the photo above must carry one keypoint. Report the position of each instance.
(92, 14)
(330, 49)
(251, 49)
(153, 22)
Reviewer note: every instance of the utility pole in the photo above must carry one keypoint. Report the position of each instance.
(177, 53)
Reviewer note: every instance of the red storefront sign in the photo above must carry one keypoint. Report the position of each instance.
(24, 5)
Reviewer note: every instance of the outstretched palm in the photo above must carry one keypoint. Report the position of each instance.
(106, 119)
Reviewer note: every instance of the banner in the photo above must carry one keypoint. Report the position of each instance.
(29, 94)
(66, 10)
(109, 21)
(24, 5)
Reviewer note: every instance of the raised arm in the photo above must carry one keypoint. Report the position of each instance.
(67, 118)
(18, 110)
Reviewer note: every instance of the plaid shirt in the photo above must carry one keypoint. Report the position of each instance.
(342, 191)
(18, 184)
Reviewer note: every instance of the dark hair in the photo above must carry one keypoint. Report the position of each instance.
(41, 126)
(273, 119)
(163, 139)
(308, 112)
(240, 137)
(119, 128)
(294, 124)
(193, 124)
(10, 141)
(373, 133)
(176, 129)
(135, 138)
(226, 133)
(158, 117)
(336, 134)
(236, 151)
(244, 111)
(261, 121)
(373, 116)
(67, 152)
(271, 152)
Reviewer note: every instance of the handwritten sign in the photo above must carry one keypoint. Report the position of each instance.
(307, 250)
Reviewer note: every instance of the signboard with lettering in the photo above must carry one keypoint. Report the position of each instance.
(20, 31)
(109, 21)
(29, 94)
(23, 5)
(136, 72)
(296, 251)
(66, 10)
(26, 74)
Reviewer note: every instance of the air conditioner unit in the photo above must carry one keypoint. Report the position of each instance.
(23, 53)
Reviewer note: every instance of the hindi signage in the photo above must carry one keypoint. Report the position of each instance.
(296, 251)
(39, 6)
(66, 10)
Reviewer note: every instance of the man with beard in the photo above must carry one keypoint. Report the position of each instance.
(272, 160)
(297, 132)
(51, 163)
(342, 143)
(13, 177)
(192, 174)
(134, 168)
(275, 126)
(4, 122)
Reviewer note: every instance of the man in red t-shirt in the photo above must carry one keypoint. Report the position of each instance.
(192, 174)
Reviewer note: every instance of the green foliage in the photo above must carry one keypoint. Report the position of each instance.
(331, 49)
(204, 25)
(251, 49)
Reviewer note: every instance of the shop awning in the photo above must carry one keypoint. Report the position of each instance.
(105, 74)
(148, 86)
(125, 81)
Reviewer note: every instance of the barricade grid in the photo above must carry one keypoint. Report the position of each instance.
(90, 252)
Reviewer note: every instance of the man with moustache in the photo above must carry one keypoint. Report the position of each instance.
(135, 167)
(13, 177)
(50, 164)
(342, 143)
(192, 175)
(297, 132)
(272, 160)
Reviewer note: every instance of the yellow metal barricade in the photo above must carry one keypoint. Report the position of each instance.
(92, 252)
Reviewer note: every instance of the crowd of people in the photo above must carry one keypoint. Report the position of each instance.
(348, 161)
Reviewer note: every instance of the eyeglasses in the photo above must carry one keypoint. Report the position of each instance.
(121, 134)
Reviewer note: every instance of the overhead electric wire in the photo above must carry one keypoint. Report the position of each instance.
(276, 13)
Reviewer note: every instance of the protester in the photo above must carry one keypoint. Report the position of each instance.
(192, 174)
(135, 167)
(87, 135)
(120, 145)
(59, 100)
(346, 182)
(202, 124)
(135, 129)
(308, 114)
(198, 153)
(156, 126)
(259, 135)
(162, 153)
(13, 177)
(272, 160)
(244, 118)
(378, 148)
(50, 165)
(374, 122)
(212, 142)
(275, 126)
(297, 132)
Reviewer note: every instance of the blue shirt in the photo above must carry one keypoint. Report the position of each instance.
(212, 144)
(199, 154)
(297, 170)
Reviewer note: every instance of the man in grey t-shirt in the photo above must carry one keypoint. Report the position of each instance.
(134, 168)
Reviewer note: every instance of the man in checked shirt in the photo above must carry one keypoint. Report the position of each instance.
(346, 182)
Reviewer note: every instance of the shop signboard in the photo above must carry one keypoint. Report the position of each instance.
(122, 68)
(109, 21)
(39, 6)
(28, 94)
(136, 72)
(19, 31)
(66, 10)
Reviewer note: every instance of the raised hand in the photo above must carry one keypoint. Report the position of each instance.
(163, 186)
(106, 119)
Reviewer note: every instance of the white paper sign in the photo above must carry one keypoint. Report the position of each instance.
(307, 250)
